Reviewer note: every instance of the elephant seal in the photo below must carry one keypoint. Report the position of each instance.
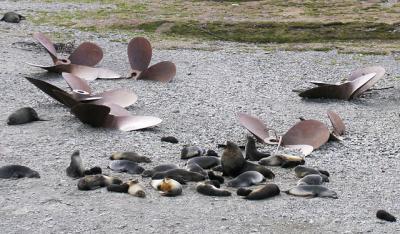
(131, 156)
(194, 167)
(232, 160)
(126, 166)
(302, 171)
(91, 182)
(283, 160)
(251, 151)
(264, 192)
(167, 187)
(181, 173)
(17, 171)
(313, 179)
(210, 190)
(192, 151)
(213, 176)
(384, 215)
(312, 191)
(23, 116)
(246, 179)
(160, 168)
(249, 166)
(205, 162)
(12, 17)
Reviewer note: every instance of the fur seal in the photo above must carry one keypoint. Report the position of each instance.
(194, 167)
(131, 156)
(170, 139)
(118, 188)
(313, 179)
(205, 162)
(181, 173)
(215, 183)
(212, 153)
(192, 151)
(126, 166)
(213, 176)
(22, 116)
(12, 17)
(232, 160)
(384, 215)
(167, 187)
(283, 160)
(251, 151)
(17, 171)
(160, 168)
(210, 190)
(312, 191)
(76, 169)
(264, 192)
(302, 171)
(91, 182)
(217, 168)
(246, 179)
(249, 166)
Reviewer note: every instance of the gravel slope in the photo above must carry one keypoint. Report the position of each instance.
(199, 107)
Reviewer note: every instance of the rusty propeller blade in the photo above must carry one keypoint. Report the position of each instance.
(91, 73)
(120, 97)
(139, 54)
(334, 91)
(163, 71)
(257, 128)
(94, 115)
(76, 84)
(337, 123)
(306, 135)
(49, 89)
(87, 54)
(47, 44)
(380, 72)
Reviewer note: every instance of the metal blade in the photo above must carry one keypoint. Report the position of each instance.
(120, 97)
(337, 123)
(380, 73)
(77, 84)
(94, 115)
(53, 68)
(256, 127)
(87, 54)
(163, 71)
(92, 73)
(139, 54)
(132, 123)
(67, 99)
(115, 110)
(49, 89)
(47, 44)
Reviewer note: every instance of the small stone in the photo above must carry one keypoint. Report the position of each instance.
(384, 215)
(170, 139)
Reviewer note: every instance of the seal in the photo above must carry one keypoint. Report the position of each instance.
(180, 173)
(283, 160)
(131, 156)
(170, 139)
(232, 160)
(167, 187)
(384, 215)
(75, 169)
(23, 116)
(205, 162)
(213, 176)
(264, 192)
(126, 166)
(17, 171)
(12, 17)
(91, 182)
(251, 151)
(160, 168)
(313, 179)
(302, 171)
(211, 152)
(194, 167)
(210, 190)
(192, 151)
(249, 166)
(246, 179)
(312, 191)
(135, 189)
(217, 168)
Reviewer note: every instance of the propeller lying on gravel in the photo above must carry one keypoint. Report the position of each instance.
(79, 63)
(139, 54)
(359, 81)
(305, 135)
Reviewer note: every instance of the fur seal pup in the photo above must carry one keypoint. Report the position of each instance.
(312, 179)
(232, 160)
(170, 139)
(22, 116)
(205, 162)
(17, 171)
(215, 183)
(167, 187)
(118, 188)
(213, 176)
(76, 169)
(160, 168)
(131, 156)
(182, 173)
(312, 191)
(217, 168)
(126, 166)
(264, 192)
(251, 151)
(283, 160)
(249, 166)
(302, 171)
(246, 179)
(384, 215)
(12, 17)
(212, 153)
(194, 167)
(210, 190)
(192, 151)
(91, 182)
